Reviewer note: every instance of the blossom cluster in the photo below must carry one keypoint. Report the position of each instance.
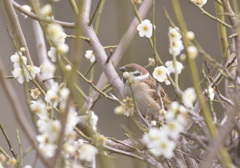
(22, 71)
(90, 55)
(50, 128)
(176, 44)
(161, 73)
(162, 141)
(55, 34)
(126, 108)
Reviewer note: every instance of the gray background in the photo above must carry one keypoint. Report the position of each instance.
(116, 17)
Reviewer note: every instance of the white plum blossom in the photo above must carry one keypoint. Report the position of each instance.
(176, 112)
(174, 33)
(87, 152)
(176, 45)
(68, 149)
(89, 55)
(42, 124)
(172, 111)
(72, 164)
(164, 147)
(55, 34)
(171, 69)
(188, 97)
(45, 11)
(17, 59)
(33, 70)
(53, 130)
(160, 73)
(27, 166)
(47, 70)
(145, 28)
(52, 53)
(72, 120)
(55, 87)
(35, 93)
(52, 98)
(48, 149)
(158, 142)
(93, 119)
(18, 74)
(153, 136)
(26, 8)
(200, 2)
(64, 93)
(25, 73)
(39, 108)
(43, 138)
(210, 92)
(174, 128)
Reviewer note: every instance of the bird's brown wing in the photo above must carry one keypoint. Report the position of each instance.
(151, 82)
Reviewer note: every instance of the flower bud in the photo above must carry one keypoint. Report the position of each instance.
(2, 158)
(63, 48)
(190, 35)
(192, 52)
(151, 61)
(119, 110)
(22, 49)
(183, 57)
(126, 75)
(68, 68)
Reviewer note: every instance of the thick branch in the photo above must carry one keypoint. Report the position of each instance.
(100, 53)
(235, 28)
(124, 42)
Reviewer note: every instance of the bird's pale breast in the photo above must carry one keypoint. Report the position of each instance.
(143, 96)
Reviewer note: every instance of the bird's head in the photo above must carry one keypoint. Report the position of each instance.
(135, 71)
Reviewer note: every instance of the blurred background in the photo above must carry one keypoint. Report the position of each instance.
(115, 19)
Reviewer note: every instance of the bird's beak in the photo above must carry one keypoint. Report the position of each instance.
(122, 69)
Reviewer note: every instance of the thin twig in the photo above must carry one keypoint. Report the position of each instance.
(5, 153)
(20, 149)
(35, 17)
(8, 142)
(211, 16)
(95, 12)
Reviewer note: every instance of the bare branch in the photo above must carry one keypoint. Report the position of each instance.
(35, 17)
(124, 43)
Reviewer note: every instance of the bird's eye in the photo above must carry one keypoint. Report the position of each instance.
(137, 73)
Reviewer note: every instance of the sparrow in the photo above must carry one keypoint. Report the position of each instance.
(145, 90)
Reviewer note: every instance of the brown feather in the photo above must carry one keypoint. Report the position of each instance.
(153, 84)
